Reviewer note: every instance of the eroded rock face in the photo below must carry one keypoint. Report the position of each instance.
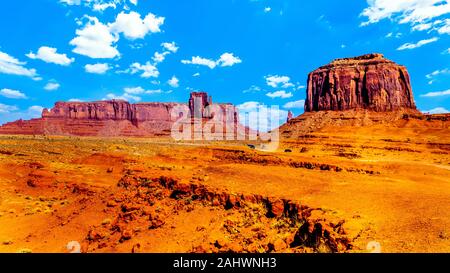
(117, 118)
(366, 82)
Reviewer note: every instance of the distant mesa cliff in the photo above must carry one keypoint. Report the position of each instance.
(115, 118)
(367, 82)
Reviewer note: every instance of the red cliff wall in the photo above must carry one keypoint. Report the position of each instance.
(106, 118)
(366, 82)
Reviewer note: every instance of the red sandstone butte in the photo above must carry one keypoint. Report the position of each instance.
(114, 118)
(366, 82)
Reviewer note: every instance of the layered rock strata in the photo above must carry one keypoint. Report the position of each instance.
(367, 82)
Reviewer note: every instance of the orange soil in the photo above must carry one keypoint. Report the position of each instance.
(390, 184)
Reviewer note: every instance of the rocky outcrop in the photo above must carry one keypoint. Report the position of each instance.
(118, 118)
(366, 82)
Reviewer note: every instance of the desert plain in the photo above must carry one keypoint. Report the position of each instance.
(381, 187)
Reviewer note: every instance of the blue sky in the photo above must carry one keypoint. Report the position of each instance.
(247, 52)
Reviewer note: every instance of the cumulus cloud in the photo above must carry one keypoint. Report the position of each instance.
(437, 94)
(133, 27)
(98, 40)
(99, 68)
(52, 86)
(104, 6)
(418, 44)
(12, 94)
(261, 117)
(277, 81)
(280, 94)
(169, 49)
(226, 59)
(159, 57)
(298, 104)
(174, 82)
(95, 40)
(11, 113)
(4, 108)
(420, 14)
(50, 55)
(131, 94)
(172, 47)
(125, 97)
(197, 60)
(147, 70)
(12, 66)
(439, 110)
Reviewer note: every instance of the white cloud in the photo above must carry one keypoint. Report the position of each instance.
(172, 47)
(50, 55)
(437, 110)
(196, 75)
(276, 81)
(394, 35)
(133, 27)
(125, 97)
(159, 57)
(437, 94)
(12, 66)
(201, 61)
(11, 113)
(174, 82)
(267, 9)
(52, 86)
(420, 14)
(422, 27)
(134, 90)
(95, 41)
(280, 94)
(299, 104)
(4, 108)
(71, 2)
(99, 5)
(433, 75)
(139, 90)
(444, 27)
(103, 6)
(35, 110)
(131, 94)
(418, 44)
(99, 68)
(226, 59)
(12, 94)
(406, 11)
(261, 117)
(169, 49)
(148, 70)
(447, 51)
(252, 89)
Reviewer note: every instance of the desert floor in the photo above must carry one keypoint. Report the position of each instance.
(389, 185)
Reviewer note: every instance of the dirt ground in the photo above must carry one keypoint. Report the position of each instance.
(334, 190)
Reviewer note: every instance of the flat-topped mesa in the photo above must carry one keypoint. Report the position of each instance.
(118, 117)
(366, 82)
(111, 110)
